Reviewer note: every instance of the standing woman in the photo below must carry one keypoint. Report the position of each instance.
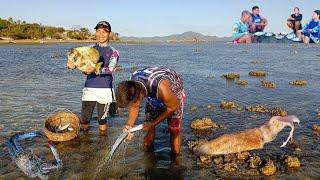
(294, 21)
(98, 89)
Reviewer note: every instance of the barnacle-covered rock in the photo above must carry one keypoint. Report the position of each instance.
(292, 162)
(258, 108)
(254, 161)
(298, 82)
(268, 84)
(203, 124)
(278, 111)
(257, 73)
(231, 76)
(229, 105)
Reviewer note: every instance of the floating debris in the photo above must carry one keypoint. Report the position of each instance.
(318, 114)
(298, 82)
(269, 168)
(292, 162)
(278, 111)
(268, 84)
(203, 124)
(242, 82)
(229, 105)
(258, 73)
(231, 76)
(259, 108)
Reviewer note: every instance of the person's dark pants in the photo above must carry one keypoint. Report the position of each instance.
(87, 111)
(294, 25)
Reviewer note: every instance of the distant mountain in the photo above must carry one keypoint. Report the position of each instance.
(184, 37)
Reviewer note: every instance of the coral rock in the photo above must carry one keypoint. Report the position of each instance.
(257, 73)
(292, 162)
(269, 168)
(277, 111)
(268, 84)
(298, 82)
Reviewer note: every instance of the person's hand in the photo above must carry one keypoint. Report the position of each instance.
(148, 126)
(90, 69)
(125, 128)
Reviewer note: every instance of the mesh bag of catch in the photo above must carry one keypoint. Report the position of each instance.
(62, 126)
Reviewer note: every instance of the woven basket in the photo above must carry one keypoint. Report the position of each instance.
(58, 118)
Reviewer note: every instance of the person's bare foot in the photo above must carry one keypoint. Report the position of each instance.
(103, 130)
(85, 127)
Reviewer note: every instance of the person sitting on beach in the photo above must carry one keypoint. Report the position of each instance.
(98, 89)
(258, 23)
(165, 99)
(294, 21)
(311, 31)
(240, 29)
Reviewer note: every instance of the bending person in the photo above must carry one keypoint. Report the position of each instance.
(165, 99)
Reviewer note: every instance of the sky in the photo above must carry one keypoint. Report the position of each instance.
(146, 18)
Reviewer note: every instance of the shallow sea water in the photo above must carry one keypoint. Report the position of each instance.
(35, 83)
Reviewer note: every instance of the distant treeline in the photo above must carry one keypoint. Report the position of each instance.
(23, 30)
